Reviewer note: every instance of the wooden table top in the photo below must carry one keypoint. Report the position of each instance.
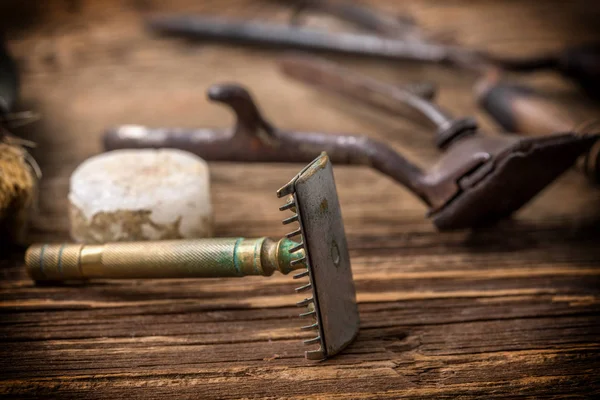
(511, 309)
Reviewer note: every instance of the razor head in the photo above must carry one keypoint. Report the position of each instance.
(513, 176)
(331, 310)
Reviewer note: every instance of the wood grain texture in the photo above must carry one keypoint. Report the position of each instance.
(508, 311)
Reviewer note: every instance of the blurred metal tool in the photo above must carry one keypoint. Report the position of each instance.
(321, 254)
(477, 181)
(333, 78)
(290, 37)
(521, 109)
(581, 64)
(508, 170)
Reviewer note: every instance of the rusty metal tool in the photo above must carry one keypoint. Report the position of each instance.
(321, 255)
(299, 38)
(477, 181)
(393, 99)
(520, 109)
(462, 134)
(580, 63)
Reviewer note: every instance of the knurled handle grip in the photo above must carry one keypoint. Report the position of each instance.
(195, 258)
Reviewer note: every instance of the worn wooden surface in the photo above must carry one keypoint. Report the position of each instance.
(506, 311)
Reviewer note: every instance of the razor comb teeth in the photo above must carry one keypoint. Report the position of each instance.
(311, 313)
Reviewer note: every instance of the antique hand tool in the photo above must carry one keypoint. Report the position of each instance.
(290, 37)
(521, 109)
(477, 181)
(581, 64)
(542, 159)
(321, 254)
(390, 98)
(578, 63)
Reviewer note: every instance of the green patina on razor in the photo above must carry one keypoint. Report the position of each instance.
(317, 248)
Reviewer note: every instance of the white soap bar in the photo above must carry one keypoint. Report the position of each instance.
(127, 195)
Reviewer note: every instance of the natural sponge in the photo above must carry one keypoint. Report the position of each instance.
(127, 195)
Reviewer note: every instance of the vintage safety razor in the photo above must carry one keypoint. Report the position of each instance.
(320, 253)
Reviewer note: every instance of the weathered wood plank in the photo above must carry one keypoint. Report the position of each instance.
(495, 313)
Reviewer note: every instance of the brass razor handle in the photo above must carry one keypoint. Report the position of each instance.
(194, 258)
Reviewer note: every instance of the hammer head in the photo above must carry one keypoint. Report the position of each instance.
(332, 305)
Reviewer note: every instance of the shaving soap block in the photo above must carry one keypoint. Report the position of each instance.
(127, 195)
